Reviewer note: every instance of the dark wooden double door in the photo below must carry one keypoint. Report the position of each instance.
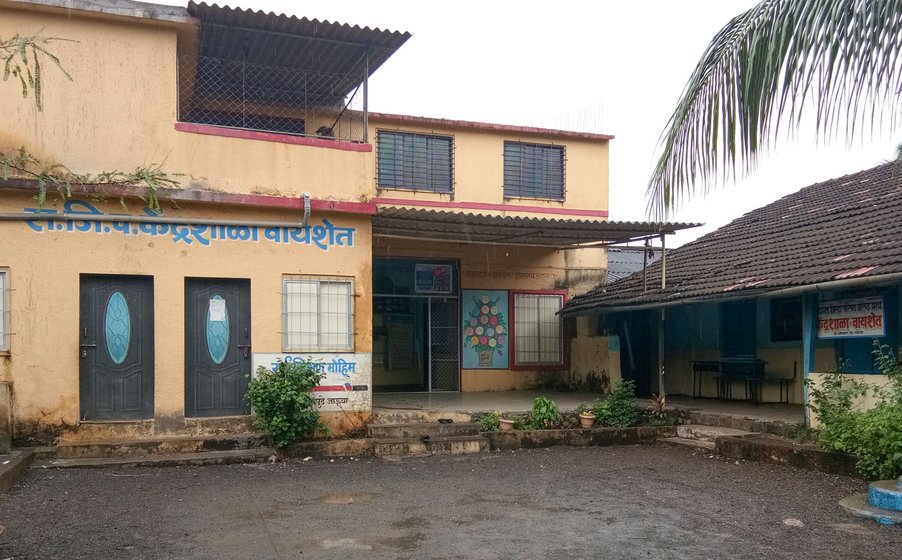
(116, 347)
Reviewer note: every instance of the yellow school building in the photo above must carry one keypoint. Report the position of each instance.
(398, 253)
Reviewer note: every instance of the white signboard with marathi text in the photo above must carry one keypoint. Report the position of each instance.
(348, 377)
(850, 318)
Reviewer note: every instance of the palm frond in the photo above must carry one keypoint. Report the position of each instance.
(841, 59)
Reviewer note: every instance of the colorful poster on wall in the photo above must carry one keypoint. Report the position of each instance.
(485, 329)
(850, 318)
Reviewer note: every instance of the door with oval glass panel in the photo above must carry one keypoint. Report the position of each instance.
(217, 346)
(116, 347)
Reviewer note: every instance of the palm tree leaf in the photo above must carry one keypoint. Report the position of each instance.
(840, 59)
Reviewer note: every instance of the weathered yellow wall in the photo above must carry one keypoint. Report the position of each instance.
(479, 167)
(43, 365)
(120, 110)
(592, 355)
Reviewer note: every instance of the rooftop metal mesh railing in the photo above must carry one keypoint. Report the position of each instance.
(283, 100)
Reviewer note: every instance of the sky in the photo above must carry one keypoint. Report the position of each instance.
(615, 67)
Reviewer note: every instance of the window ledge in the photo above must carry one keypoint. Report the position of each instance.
(224, 132)
(546, 199)
(538, 367)
(415, 190)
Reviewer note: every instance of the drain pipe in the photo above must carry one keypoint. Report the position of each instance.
(306, 220)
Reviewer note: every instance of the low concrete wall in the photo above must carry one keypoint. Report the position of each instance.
(329, 448)
(531, 439)
(13, 467)
(781, 452)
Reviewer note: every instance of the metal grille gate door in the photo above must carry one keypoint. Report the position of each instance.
(444, 345)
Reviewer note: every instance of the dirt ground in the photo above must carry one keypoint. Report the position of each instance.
(560, 503)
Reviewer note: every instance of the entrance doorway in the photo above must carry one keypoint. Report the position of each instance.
(217, 346)
(116, 348)
(416, 325)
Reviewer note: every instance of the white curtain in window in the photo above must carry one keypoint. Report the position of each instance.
(537, 329)
(335, 315)
(301, 305)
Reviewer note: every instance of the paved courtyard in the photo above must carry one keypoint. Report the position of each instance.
(562, 503)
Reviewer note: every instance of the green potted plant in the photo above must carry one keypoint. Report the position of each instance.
(586, 416)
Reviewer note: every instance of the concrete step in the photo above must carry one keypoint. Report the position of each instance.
(707, 446)
(257, 455)
(416, 430)
(444, 445)
(13, 465)
(166, 445)
(417, 416)
(708, 433)
(756, 425)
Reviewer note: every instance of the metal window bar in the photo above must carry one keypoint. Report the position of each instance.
(412, 161)
(4, 311)
(533, 171)
(317, 315)
(277, 99)
(538, 330)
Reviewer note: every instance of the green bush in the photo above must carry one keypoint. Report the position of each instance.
(833, 397)
(283, 402)
(545, 414)
(489, 422)
(618, 410)
(874, 435)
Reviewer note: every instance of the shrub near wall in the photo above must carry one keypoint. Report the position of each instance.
(874, 435)
(283, 402)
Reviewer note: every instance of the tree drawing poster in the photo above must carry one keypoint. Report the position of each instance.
(485, 329)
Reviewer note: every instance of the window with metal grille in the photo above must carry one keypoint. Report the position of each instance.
(538, 332)
(417, 162)
(317, 314)
(533, 171)
(4, 310)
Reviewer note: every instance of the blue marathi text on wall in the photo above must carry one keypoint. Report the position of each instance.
(77, 218)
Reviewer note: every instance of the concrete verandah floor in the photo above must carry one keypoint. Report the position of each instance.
(521, 401)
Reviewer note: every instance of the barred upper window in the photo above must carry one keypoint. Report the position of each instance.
(533, 171)
(418, 162)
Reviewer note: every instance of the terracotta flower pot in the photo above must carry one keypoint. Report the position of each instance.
(586, 420)
(505, 424)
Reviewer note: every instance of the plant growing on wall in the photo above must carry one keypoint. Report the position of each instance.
(485, 329)
(25, 165)
(283, 402)
(21, 56)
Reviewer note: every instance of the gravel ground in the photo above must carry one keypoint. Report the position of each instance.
(560, 503)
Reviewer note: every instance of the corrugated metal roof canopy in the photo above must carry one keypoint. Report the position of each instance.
(508, 230)
(271, 39)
